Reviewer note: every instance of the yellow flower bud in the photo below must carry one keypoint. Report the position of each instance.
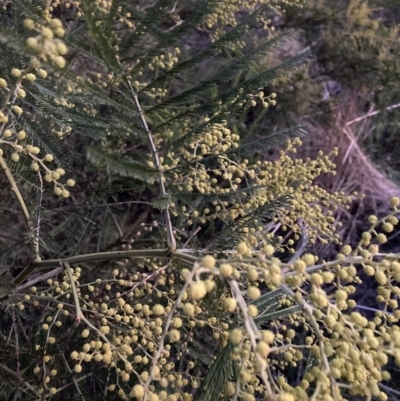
(55, 23)
(105, 329)
(158, 309)
(308, 259)
(395, 201)
(340, 295)
(268, 336)
(235, 335)
(15, 157)
(137, 391)
(286, 397)
(269, 250)
(77, 368)
(380, 277)
(226, 270)
(174, 335)
(29, 24)
(17, 110)
(253, 292)
(21, 135)
(61, 48)
(32, 43)
(42, 73)
(47, 33)
(177, 322)
(316, 279)
(198, 290)
(59, 61)
(243, 249)
(85, 333)
(208, 261)
(372, 219)
(30, 77)
(252, 310)
(230, 304)
(3, 118)
(15, 72)
(381, 238)
(263, 349)
(21, 93)
(59, 32)
(188, 308)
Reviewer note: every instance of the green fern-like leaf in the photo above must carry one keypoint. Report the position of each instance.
(213, 50)
(265, 301)
(122, 168)
(267, 317)
(219, 373)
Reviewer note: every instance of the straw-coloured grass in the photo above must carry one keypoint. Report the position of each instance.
(355, 170)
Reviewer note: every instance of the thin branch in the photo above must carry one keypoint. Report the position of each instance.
(170, 235)
(39, 207)
(370, 114)
(20, 200)
(94, 257)
(79, 314)
(10, 371)
(41, 278)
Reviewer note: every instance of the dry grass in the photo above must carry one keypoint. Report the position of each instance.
(355, 170)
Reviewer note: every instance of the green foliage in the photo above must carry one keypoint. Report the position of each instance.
(221, 371)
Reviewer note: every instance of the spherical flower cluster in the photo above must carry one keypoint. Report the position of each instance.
(45, 45)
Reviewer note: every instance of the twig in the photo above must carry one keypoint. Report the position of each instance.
(73, 377)
(121, 234)
(387, 388)
(37, 230)
(10, 371)
(370, 114)
(170, 235)
(39, 279)
(191, 236)
(79, 379)
(79, 314)
(20, 200)
(93, 257)
(301, 246)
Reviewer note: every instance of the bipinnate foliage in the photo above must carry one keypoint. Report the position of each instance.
(156, 275)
